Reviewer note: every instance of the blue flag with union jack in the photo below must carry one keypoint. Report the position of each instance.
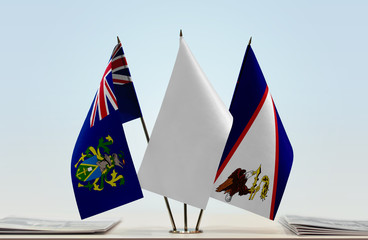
(102, 170)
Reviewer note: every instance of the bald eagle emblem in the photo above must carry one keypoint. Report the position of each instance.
(236, 183)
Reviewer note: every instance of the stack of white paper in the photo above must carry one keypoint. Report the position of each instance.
(43, 226)
(321, 226)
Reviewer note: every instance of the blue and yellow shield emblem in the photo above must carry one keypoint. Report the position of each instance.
(88, 170)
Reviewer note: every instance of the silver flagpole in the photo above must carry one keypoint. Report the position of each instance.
(185, 205)
(199, 220)
(165, 198)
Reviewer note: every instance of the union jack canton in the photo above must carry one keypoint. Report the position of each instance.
(117, 73)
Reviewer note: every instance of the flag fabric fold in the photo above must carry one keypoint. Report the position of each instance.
(188, 137)
(102, 170)
(257, 158)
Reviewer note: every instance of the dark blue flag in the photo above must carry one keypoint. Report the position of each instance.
(102, 170)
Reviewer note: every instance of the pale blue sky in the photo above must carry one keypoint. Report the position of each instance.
(313, 56)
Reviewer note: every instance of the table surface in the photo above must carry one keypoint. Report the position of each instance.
(217, 226)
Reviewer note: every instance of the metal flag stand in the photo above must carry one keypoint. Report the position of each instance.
(186, 230)
(174, 229)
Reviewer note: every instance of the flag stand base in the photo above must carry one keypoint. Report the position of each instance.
(185, 230)
(182, 231)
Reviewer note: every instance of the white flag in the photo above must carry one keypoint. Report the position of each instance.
(188, 138)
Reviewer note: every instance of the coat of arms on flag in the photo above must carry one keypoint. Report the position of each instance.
(98, 166)
(237, 183)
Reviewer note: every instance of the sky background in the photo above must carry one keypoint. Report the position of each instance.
(313, 55)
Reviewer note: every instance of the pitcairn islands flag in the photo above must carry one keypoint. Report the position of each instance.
(102, 170)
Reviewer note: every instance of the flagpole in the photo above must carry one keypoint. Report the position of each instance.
(185, 205)
(185, 218)
(147, 138)
(145, 129)
(199, 220)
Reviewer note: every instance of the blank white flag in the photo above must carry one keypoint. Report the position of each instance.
(188, 138)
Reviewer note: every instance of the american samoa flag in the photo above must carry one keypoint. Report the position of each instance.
(258, 156)
(112, 94)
